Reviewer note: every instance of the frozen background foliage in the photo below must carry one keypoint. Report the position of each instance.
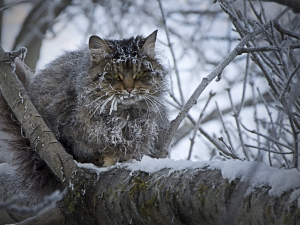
(200, 35)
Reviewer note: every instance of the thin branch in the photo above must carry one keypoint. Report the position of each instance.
(269, 113)
(289, 81)
(172, 52)
(264, 49)
(231, 149)
(13, 4)
(244, 84)
(213, 140)
(211, 95)
(268, 150)
(295, 135)
(267, 137)
(205, 82)
(237, 121)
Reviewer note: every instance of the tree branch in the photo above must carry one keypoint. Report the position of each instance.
(205, 82)
(124, 195)
(33, 125)
(293, 4)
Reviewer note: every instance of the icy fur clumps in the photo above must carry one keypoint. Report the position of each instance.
(107, 100)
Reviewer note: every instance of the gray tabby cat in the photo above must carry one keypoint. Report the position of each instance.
(105, 103)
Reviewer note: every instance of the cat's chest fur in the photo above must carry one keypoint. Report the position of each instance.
(124, 134)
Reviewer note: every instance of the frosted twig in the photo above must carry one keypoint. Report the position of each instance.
(256, 13)
(211, 95)
(271, 64)
(255, 112)
(295, 135)
(171, 49)
(264, 49)
(287, 32)
(231, 149)
(269, 113)
(213, 140)
(267, 137)
(244, 84)
(237, 121)
(205, 82)
(268, 150)
(289, 81)
(280, 56)
(228, 147)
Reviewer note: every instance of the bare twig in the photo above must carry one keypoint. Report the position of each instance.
(211, 95)
(213, 140)
(267, 137)
(205, 81)
(231, 149)
(172, 52)
(237, 121)
(289, 81)
(13, 4)
(268, 150)
(244, 84)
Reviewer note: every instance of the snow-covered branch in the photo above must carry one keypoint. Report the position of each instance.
(163, 191)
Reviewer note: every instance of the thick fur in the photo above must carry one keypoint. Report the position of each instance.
(31, 176)
(105, 103)
(92, 114)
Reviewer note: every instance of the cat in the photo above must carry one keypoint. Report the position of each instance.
(105, 103)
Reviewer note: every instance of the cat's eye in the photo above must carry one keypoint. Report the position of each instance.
(139, 74)
(114, 75)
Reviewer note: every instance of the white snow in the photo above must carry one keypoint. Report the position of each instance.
(255, 173)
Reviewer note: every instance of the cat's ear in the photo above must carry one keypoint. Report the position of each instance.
(149, 45)
(98, 48)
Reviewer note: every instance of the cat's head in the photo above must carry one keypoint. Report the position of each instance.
(124, 73)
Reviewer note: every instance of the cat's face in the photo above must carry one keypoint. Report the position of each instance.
(124, 74)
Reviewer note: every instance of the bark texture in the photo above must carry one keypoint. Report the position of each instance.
(182, 197)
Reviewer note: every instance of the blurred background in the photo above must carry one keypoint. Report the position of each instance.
(194, 36)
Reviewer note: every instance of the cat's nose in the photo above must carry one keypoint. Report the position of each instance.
(129, 89)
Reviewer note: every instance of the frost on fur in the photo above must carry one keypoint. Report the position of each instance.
(107, 100)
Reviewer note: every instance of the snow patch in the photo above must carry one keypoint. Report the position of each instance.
(255, 173)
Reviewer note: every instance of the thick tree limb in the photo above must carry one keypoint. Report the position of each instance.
(33, 125)
(190, 196)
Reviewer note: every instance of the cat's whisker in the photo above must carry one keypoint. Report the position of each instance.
(146, 101)
(97, 99)
(113, 105)
(157, 100)
(152, 102)
(102, 105)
